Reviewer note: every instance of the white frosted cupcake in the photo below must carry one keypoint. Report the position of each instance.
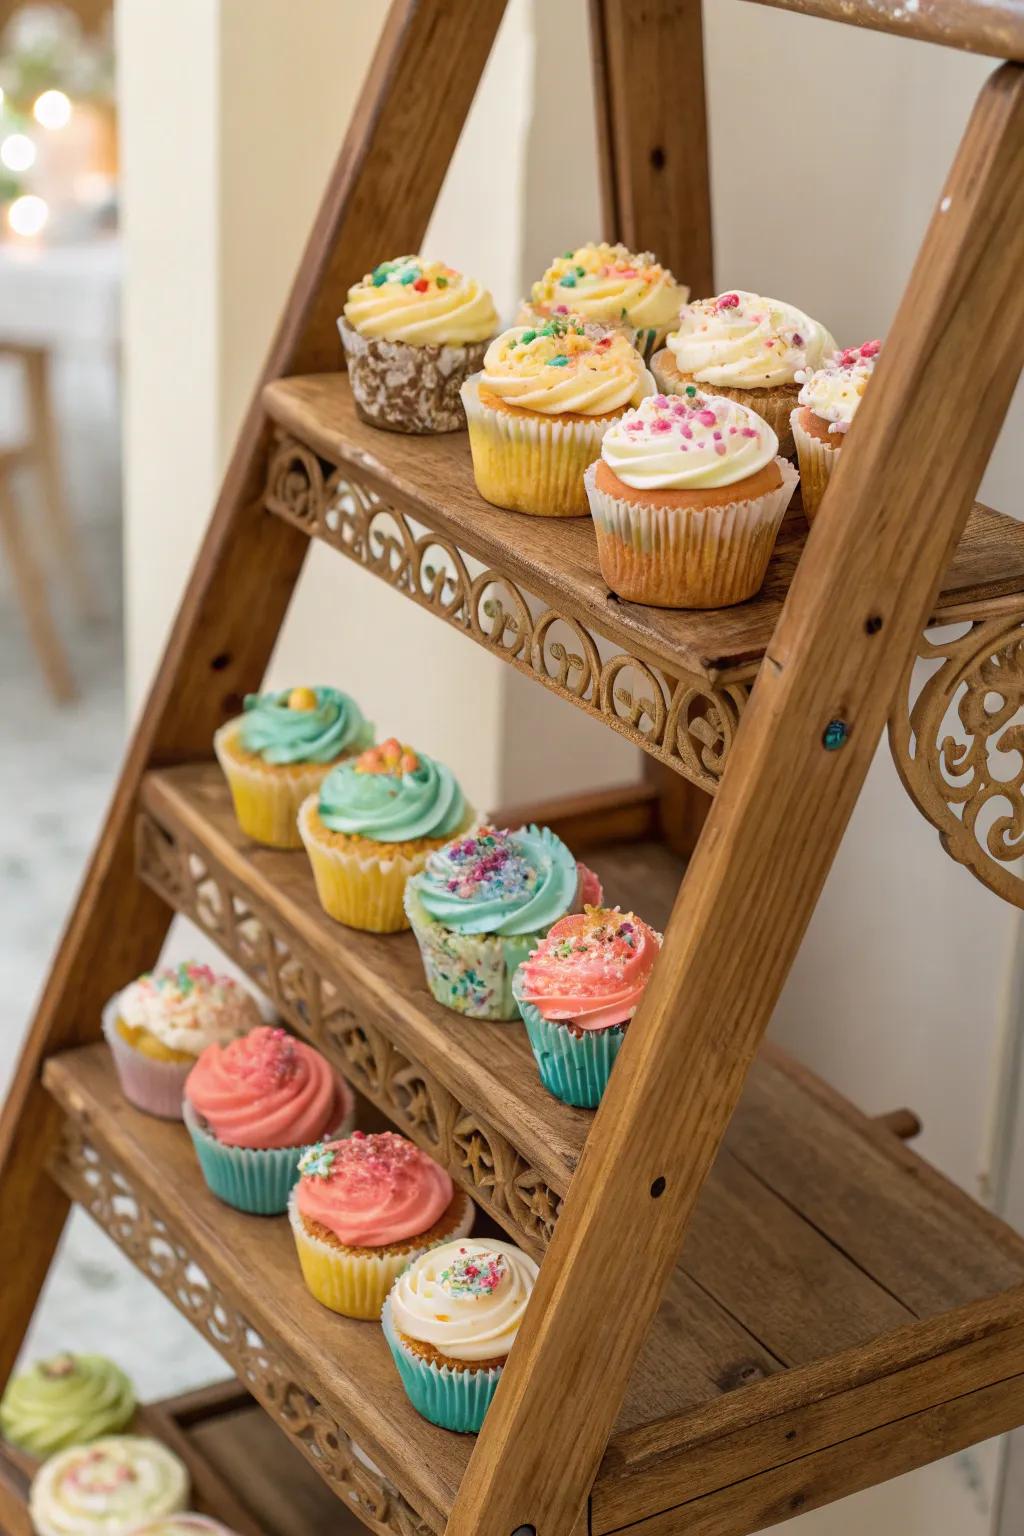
(108, 1488)
(612, 286)
(413, 330)
(687, 498)
(828, 402)
(745, 347)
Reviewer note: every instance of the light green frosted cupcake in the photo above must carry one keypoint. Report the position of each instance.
(67, 1400)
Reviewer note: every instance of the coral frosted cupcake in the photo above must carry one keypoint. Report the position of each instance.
(159, 1025)
(480, 906)
(277, 752)
(253, 1107)
(363, 1209)
(66, 1400)
(108, 1488)
(828, 402)
(413, 330)
(613, 286)
(451, 1320)
(748, 348)
(372, 825)
(687, 498)
(577, 993)
(537, 411)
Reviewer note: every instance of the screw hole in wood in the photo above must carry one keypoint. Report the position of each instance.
(658, 1187)
(873, 624)
(525, 1530)
(220, 661)
(658, 157)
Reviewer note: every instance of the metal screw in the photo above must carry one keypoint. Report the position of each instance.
(837, 734)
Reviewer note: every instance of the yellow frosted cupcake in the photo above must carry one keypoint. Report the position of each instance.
(827, 405)
(539, 408)
(413, 330)
(372, 825)
(613, 286)
(748, 348)
(276, 752)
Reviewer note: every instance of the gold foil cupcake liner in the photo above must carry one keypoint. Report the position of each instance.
(772, 405)
(688, 557)
(817, 460)
(266, 796)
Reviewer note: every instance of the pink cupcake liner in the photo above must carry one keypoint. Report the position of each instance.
(157, 1087)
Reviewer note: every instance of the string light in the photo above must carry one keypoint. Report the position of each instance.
(27, 215)
(17, 152)
(52, 110)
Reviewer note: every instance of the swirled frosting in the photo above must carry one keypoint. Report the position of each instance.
(67, 1400)
(421, 302)
(564, 368)
(466, 1298)
(392, 794)
(610, 283)
(501, 882)
(744, 341)
(107, 1488)
(687, 442)
(267, 1090)
(188, 1007)
(372, 1190)
(591, 970)
(182, 1525)
(833, 391)
(303, 725)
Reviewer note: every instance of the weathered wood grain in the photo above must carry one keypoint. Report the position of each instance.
(993, 27)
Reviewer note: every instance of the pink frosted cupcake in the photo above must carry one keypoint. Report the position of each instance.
(253, 1107)
(159, 1025)
(577, 993)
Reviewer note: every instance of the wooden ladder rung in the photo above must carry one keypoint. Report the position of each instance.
(992, 27)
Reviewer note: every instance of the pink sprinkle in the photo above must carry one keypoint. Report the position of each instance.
(871, 349)
(661, 425)
(686, 431)
(561, 309)
(749, 432)
(661, 401)
(729, 301)
(707, 418)
(798, 340)
(720, 448)
(717, 436)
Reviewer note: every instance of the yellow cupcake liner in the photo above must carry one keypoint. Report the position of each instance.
(772, 405)
(357, 1284)
(267, 797)
(817, 460)
(360, 889)
(533, 463)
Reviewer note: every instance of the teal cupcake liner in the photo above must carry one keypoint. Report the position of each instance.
(450, 1399)
(256, 1180)
(470, 973)
(574, 1068)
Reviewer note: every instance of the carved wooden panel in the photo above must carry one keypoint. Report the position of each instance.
(497, 1176)
(164, 1258)
(958, 742)
(683, 721)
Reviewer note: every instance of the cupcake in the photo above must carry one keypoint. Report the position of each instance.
(182, 1525)
(828, 401)
(537, 411)
(413, 330)
(363, 1209)
(482, 903)
(687, 498)
(372, 825)
(450, 1322)
(252, 1107)
(747, 348)
(108, 1488)
(577, 993)
(67, 1400)
(279, 749)
(613, 286)
(159, 1025)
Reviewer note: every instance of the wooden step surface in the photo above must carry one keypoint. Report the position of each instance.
(431, 479)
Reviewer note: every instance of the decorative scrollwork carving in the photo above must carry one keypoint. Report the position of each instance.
(683, 721)
(163, 1256)
(959, 744)
(315, 1003)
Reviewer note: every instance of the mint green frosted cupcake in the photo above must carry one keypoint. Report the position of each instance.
(66, 1400)
(450, 1321)
(481, 905)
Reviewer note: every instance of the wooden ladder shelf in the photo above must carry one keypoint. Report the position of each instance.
(753, 1299)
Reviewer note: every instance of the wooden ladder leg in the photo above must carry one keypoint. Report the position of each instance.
(887, 527)
(379, 199)
(30, 589)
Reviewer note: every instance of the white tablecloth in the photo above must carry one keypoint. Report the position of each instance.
(62, 295)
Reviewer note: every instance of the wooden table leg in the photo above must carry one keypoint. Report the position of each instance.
(30, 590)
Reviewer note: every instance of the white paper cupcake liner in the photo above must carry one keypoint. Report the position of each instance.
(817, 460)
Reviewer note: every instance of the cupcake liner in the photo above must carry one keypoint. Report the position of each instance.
(257, 1180)
(266, 796)
(357, 1284)
(574, 1068)
(817, 460)
(470, 973)
(687, 557)
(774, 405)
(451, 1399)
(157, 1087)
(359, 889)
(532, 463)
(403, 388)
